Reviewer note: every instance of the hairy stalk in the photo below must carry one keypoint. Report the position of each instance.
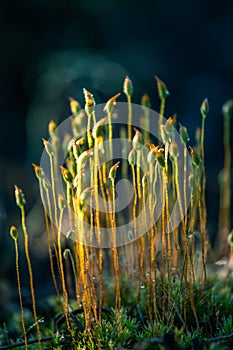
(61, 202)
(98, 134)
(163, 243)
(146, 277)
(174, 154)
(176, 229)
(86, 299)
(112, 176)
(52, 229)
(202, 230)
(157, 152)
(153, 233)
(53, 190)
(81, 258)
(14, 235)
(92, 269)
(204, 111)
(20, 196)
(168, 248)
(192, 224)
(131, 160)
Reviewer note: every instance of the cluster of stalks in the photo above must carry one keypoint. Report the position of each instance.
(166, 254)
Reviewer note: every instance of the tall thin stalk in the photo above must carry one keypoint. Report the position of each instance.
(20, 201)
(112, 176)
(204, 112)
(14, 235)
(98, 134)
(132, 161)
(61, 205)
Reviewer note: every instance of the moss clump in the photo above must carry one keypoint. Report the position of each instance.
(152, 290)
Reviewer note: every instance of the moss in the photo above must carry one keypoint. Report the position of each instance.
(155, 292)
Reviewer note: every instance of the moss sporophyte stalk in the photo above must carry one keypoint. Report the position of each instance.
(14, 235)
(125, 218)
(20, 201)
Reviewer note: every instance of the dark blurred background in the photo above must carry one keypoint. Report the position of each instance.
(50, 50)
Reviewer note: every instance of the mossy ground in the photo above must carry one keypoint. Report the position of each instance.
(214, 307)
